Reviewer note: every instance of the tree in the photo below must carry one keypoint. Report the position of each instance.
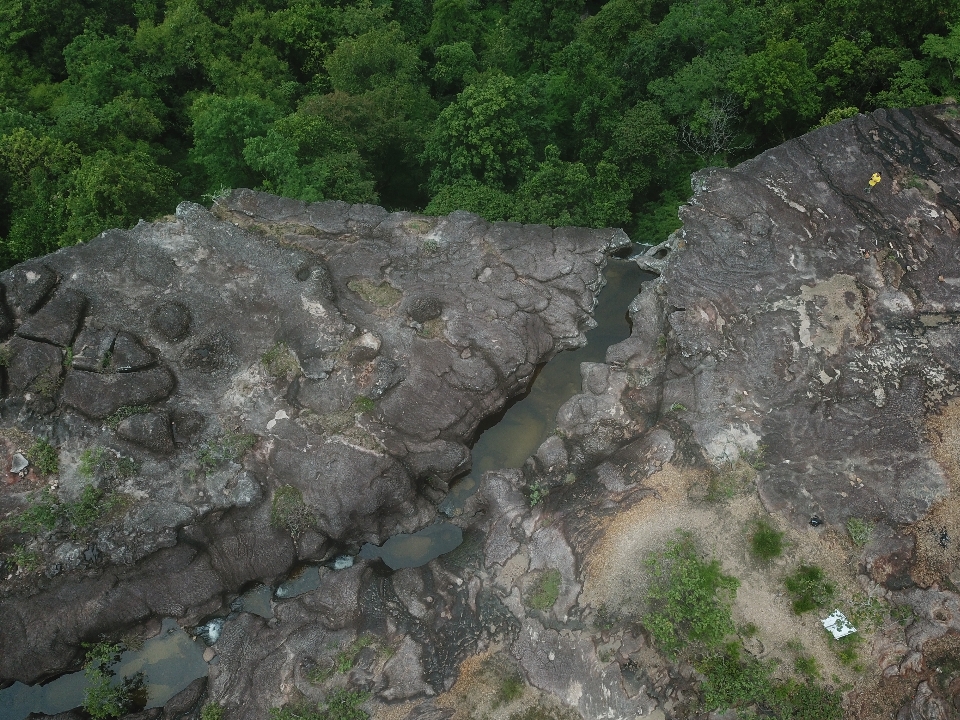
(220, 126)
(116, 190)
(483, 135)
(301, 156)
(777, 86)
(376, 58)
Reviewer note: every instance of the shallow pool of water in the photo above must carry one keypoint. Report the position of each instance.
(171, 661)
(530, 420)
(416, 549)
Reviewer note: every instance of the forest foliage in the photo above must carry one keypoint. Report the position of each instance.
(554, 111)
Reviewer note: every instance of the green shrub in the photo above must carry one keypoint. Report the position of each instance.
(41, 514)
(536, 493)
(810, 588)
(807, 666)
(280, 362)
(545, 591)
(92, 504)
(44, 457)
(98, 462)
(859, 531)
(211, 711)
(339, 705)
(26, 560)
(688, 599)
(766, 543)
(289, 512)
(731, 680)
(511, 688)
(229, 447)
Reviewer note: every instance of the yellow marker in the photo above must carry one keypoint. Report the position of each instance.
(875, 179)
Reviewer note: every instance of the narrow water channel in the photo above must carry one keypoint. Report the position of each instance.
(513, 436)
(517, 434)
(171, 660)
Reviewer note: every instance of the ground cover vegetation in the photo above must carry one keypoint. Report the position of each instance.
(689, 618)
(564, 112)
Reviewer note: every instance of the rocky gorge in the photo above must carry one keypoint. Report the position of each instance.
(210, 401)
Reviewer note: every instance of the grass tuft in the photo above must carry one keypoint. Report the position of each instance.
(545, 591)
(810, 589)
(766, 543)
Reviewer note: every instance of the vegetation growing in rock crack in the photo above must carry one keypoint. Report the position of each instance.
(339, 704)
(545, 590)
(859, 531)
(280, 362)
(44, 457)
(102, 698)
(766, 542)
(45, 511)
(536, 493)
(810, 588)
(289, 512)
(103, 463)
(123, 413)
(341, 663)
(228, 447)
(211, 711)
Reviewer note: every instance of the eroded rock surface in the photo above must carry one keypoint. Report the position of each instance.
(186, 370)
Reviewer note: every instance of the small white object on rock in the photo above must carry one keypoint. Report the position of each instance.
(19, 463)
(280, 415)
(838, 625)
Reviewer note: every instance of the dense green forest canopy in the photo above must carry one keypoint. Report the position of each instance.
(555, 111)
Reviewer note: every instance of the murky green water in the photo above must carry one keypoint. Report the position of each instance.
(530, 420)
(419, 548)
(171, 661)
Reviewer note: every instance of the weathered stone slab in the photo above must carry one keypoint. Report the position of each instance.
(98, 395)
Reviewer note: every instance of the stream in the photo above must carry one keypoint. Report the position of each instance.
(173, 659)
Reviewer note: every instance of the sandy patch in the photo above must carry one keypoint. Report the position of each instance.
(615, 576)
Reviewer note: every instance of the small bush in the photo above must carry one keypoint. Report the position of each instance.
(99, 462)
(731, 680)
(859, 531)
(536, 493)
(41, 514)
(280, 362)
(92, 504)
(807, 666)
(364, 404)
(289, 512)
(546, 590)
(688, 599)
(211, 711)
(810, 588)
(511, 688)
(26, 560)
(339, 705)
(229, 447)
(766, 543)
(44, 457)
